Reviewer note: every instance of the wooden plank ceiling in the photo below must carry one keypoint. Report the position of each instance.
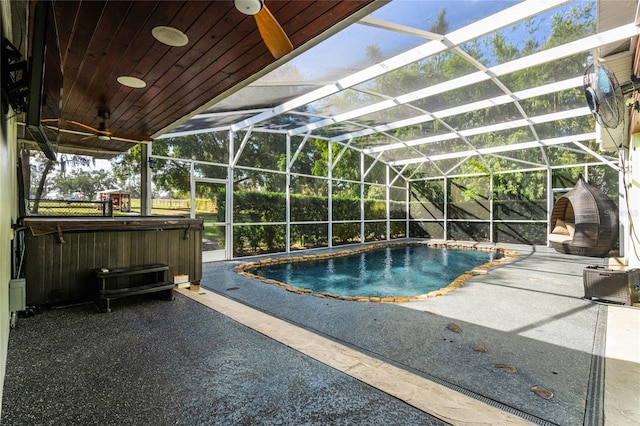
(102, 40)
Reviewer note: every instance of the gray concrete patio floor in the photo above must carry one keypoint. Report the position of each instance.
(156, 362)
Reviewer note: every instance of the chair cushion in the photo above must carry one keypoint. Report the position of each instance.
(561, 228)
(559, 238)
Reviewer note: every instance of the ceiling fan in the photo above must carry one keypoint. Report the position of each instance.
(102, 132)
(272, 33)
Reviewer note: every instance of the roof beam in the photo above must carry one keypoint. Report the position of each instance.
(517, 160)
(402, 29)
(499, 149)
(502, 19)
(470, 107)
(73, 149)
(548, 118)
(588, 150)
(545, 56)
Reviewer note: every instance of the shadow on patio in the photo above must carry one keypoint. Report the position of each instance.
(151, 361)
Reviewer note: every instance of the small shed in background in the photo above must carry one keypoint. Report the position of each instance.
(121, 200)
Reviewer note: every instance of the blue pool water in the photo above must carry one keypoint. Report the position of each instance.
(392, 271)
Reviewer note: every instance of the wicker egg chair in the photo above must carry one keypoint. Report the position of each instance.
(584, 222)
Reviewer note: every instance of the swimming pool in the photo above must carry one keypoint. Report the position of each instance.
(385, 273)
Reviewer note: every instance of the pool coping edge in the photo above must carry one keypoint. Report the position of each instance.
(461, 280)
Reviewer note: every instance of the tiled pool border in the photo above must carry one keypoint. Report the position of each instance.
(507, 255)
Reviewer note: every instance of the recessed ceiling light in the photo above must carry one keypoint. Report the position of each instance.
(170, 36)
(129, 81)
(248, 7)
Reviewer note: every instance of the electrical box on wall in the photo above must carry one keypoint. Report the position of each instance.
(17, 295)
(613, 139)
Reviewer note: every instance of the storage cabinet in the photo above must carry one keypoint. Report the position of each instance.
(612, 285)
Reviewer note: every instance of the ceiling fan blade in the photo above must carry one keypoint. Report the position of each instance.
(92, 129)
(75, 123)
(109, 134)
(272, 33)
(129, 137)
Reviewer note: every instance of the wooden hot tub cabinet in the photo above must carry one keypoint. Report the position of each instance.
(62, 254)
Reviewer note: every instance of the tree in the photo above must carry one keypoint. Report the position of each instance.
(36, 167)
(126, 169)
(266, 150)
(262, 150)
(48, 165)
(84, 182)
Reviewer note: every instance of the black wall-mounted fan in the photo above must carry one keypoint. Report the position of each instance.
(605, 96)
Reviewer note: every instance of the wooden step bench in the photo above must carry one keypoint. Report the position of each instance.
(148, 279)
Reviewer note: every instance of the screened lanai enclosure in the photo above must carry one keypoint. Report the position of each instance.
(457, 120)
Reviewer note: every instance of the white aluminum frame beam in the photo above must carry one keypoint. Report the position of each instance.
(499, 149)
(545, 56)
(502, 19)
(507, 125)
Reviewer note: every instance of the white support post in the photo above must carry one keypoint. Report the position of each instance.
(362, 175)
(228, 215)
(446, 210)
(408, 207)
(330, 197)
(192, 188)
(550, 201)
(287, 246)
(387, 191)
(491, 238)
(145, 180)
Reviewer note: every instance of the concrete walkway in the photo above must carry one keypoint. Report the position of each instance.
(622, 367)
(253, 353)
(426, 395)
